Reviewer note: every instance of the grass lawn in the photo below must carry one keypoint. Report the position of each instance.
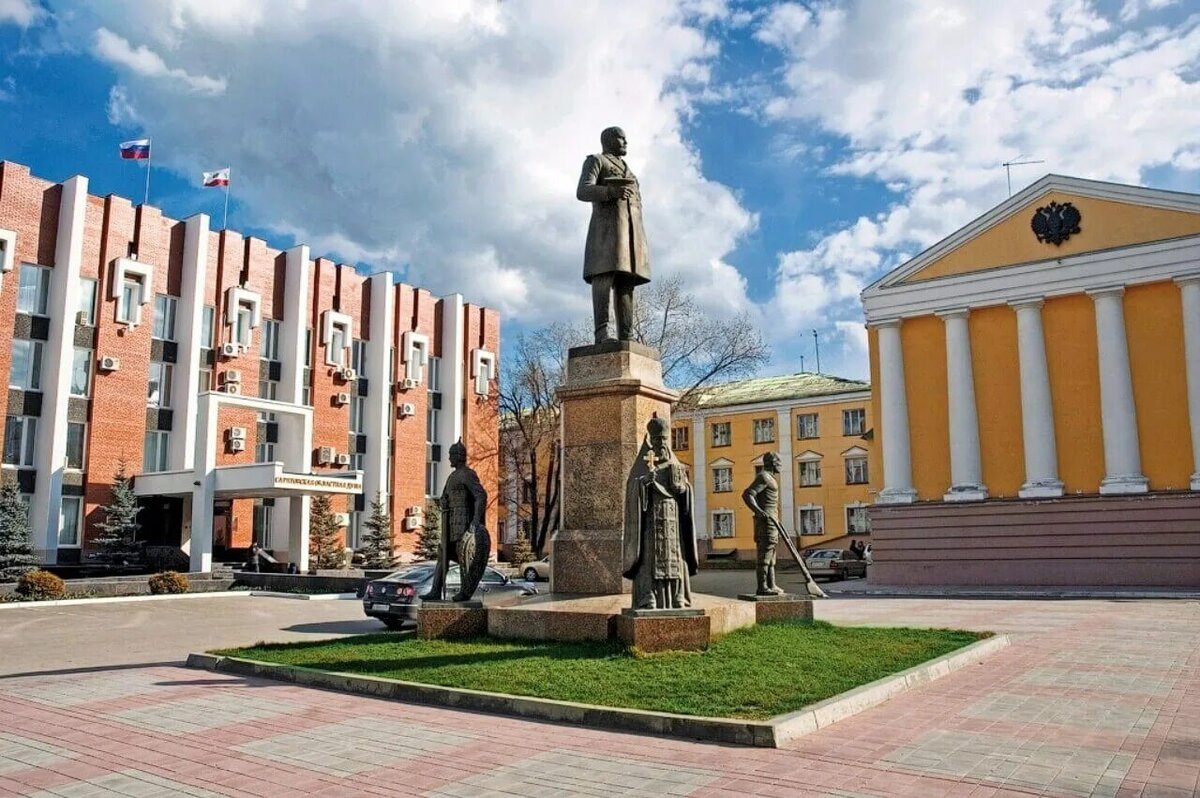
(756, 673)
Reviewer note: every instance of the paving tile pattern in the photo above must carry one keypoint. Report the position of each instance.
(1092, 698)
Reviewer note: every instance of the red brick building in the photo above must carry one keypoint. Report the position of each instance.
(234, 380)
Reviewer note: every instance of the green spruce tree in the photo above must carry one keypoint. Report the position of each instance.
(16, 553)
(325, 547)
(429, 541)
(379, 540)
(521, 552)
(117, 542)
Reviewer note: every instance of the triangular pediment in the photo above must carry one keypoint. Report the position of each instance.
(809, 455)
(855, 451)
(1111, 216)
(720, 462)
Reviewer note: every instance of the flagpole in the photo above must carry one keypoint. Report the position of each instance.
(228, 181)
(149, 156)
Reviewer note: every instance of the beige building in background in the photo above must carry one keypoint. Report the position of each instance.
(822, 427)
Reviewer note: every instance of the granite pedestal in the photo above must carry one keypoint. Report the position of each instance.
(651, 631)
(451, 619)
(784, 607)
(610, 393)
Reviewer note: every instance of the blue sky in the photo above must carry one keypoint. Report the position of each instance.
(789, 153)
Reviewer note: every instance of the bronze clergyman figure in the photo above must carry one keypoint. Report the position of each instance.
(465, 537)
(762, 497)
(616, 258)
(660, 539)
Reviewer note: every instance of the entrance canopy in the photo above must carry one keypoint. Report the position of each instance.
(251, 481)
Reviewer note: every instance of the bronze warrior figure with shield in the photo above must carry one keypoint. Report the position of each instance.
(465, 537)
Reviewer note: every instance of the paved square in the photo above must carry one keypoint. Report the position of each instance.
(570, 773)
(1082, 713)
(355, 746)
(69, 691)
(127, 784)
(192, 715)
(19, 753)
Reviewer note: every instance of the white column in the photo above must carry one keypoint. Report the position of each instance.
(1122, 457)
(379, 381)
(293, 325)
(1037, 408)
(966, 470)
(454, 375)
(787, 479)
(893, 411)
(50, 450)
(191, 319)
(700, 478)
(204, 481)
(1189, 288)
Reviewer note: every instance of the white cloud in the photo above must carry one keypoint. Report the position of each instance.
(143, 61)
(443, 138)
(930, 99)
(22, 13)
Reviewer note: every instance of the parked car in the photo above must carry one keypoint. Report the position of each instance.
(537, 570)
(395, 598)
(834, 564)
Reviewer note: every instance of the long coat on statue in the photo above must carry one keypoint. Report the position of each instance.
(616, 241)
(638, 549)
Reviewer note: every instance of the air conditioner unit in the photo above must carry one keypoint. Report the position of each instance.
(81, 318)
(233, 375)
(341, 519)
(408, 409)
(343, 398)
(230, 350)
(232, 388)
(237, 444)
(412, 522)
(415, 509)
(408, 384)
(343, 459)
(325, 455)
(237, 433)
(348, 374)
(110, 363)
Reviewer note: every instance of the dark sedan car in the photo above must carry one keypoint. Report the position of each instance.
(395, 598)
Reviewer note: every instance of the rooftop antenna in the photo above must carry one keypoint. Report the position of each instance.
(817, 347)
(1008, 165)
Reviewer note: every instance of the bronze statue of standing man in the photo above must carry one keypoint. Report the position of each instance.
(464, 538)
(762, 497)
(616, 258)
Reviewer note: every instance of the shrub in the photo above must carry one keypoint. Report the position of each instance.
(40, 586)
(169, 582)
(16, 555)
(521, 551)
(165, 558)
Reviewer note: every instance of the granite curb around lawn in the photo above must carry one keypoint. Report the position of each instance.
(771, 733)
(12, 605)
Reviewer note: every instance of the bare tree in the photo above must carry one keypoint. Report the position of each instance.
(696, 350)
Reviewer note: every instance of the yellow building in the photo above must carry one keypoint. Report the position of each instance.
(821, 426)
(1037, 380)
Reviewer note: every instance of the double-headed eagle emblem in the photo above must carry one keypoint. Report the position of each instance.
(1055, 223)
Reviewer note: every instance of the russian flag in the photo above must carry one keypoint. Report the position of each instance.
(217, 178)
(136, 150)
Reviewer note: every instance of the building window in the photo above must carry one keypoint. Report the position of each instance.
(81, 372)
(87, 302)
(26, 370)
(358, 356)
(764, 430)
(208, 322)
(264, 452)
(336, 348)
(308, 346)
(158, 384)
(812, 521)
(722, 524)
(243, 329)
(20, 436)
(130, 303)
(720, 433)
(857, 521)
(33, 292)
(854, 422)
(435, 374)
(810, 473)
(680, 438)
(722, 479)
(268, 389)
(262, 523)
(354, 530)
(358, 414)
(69, 522)
(856, 470)
(76, 441)
(270, 339)
(164, 317)
(432, 425)
(807, 427)
(431, 477)
(154, 455)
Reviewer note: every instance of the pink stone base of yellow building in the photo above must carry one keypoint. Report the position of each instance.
(1148, 541)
